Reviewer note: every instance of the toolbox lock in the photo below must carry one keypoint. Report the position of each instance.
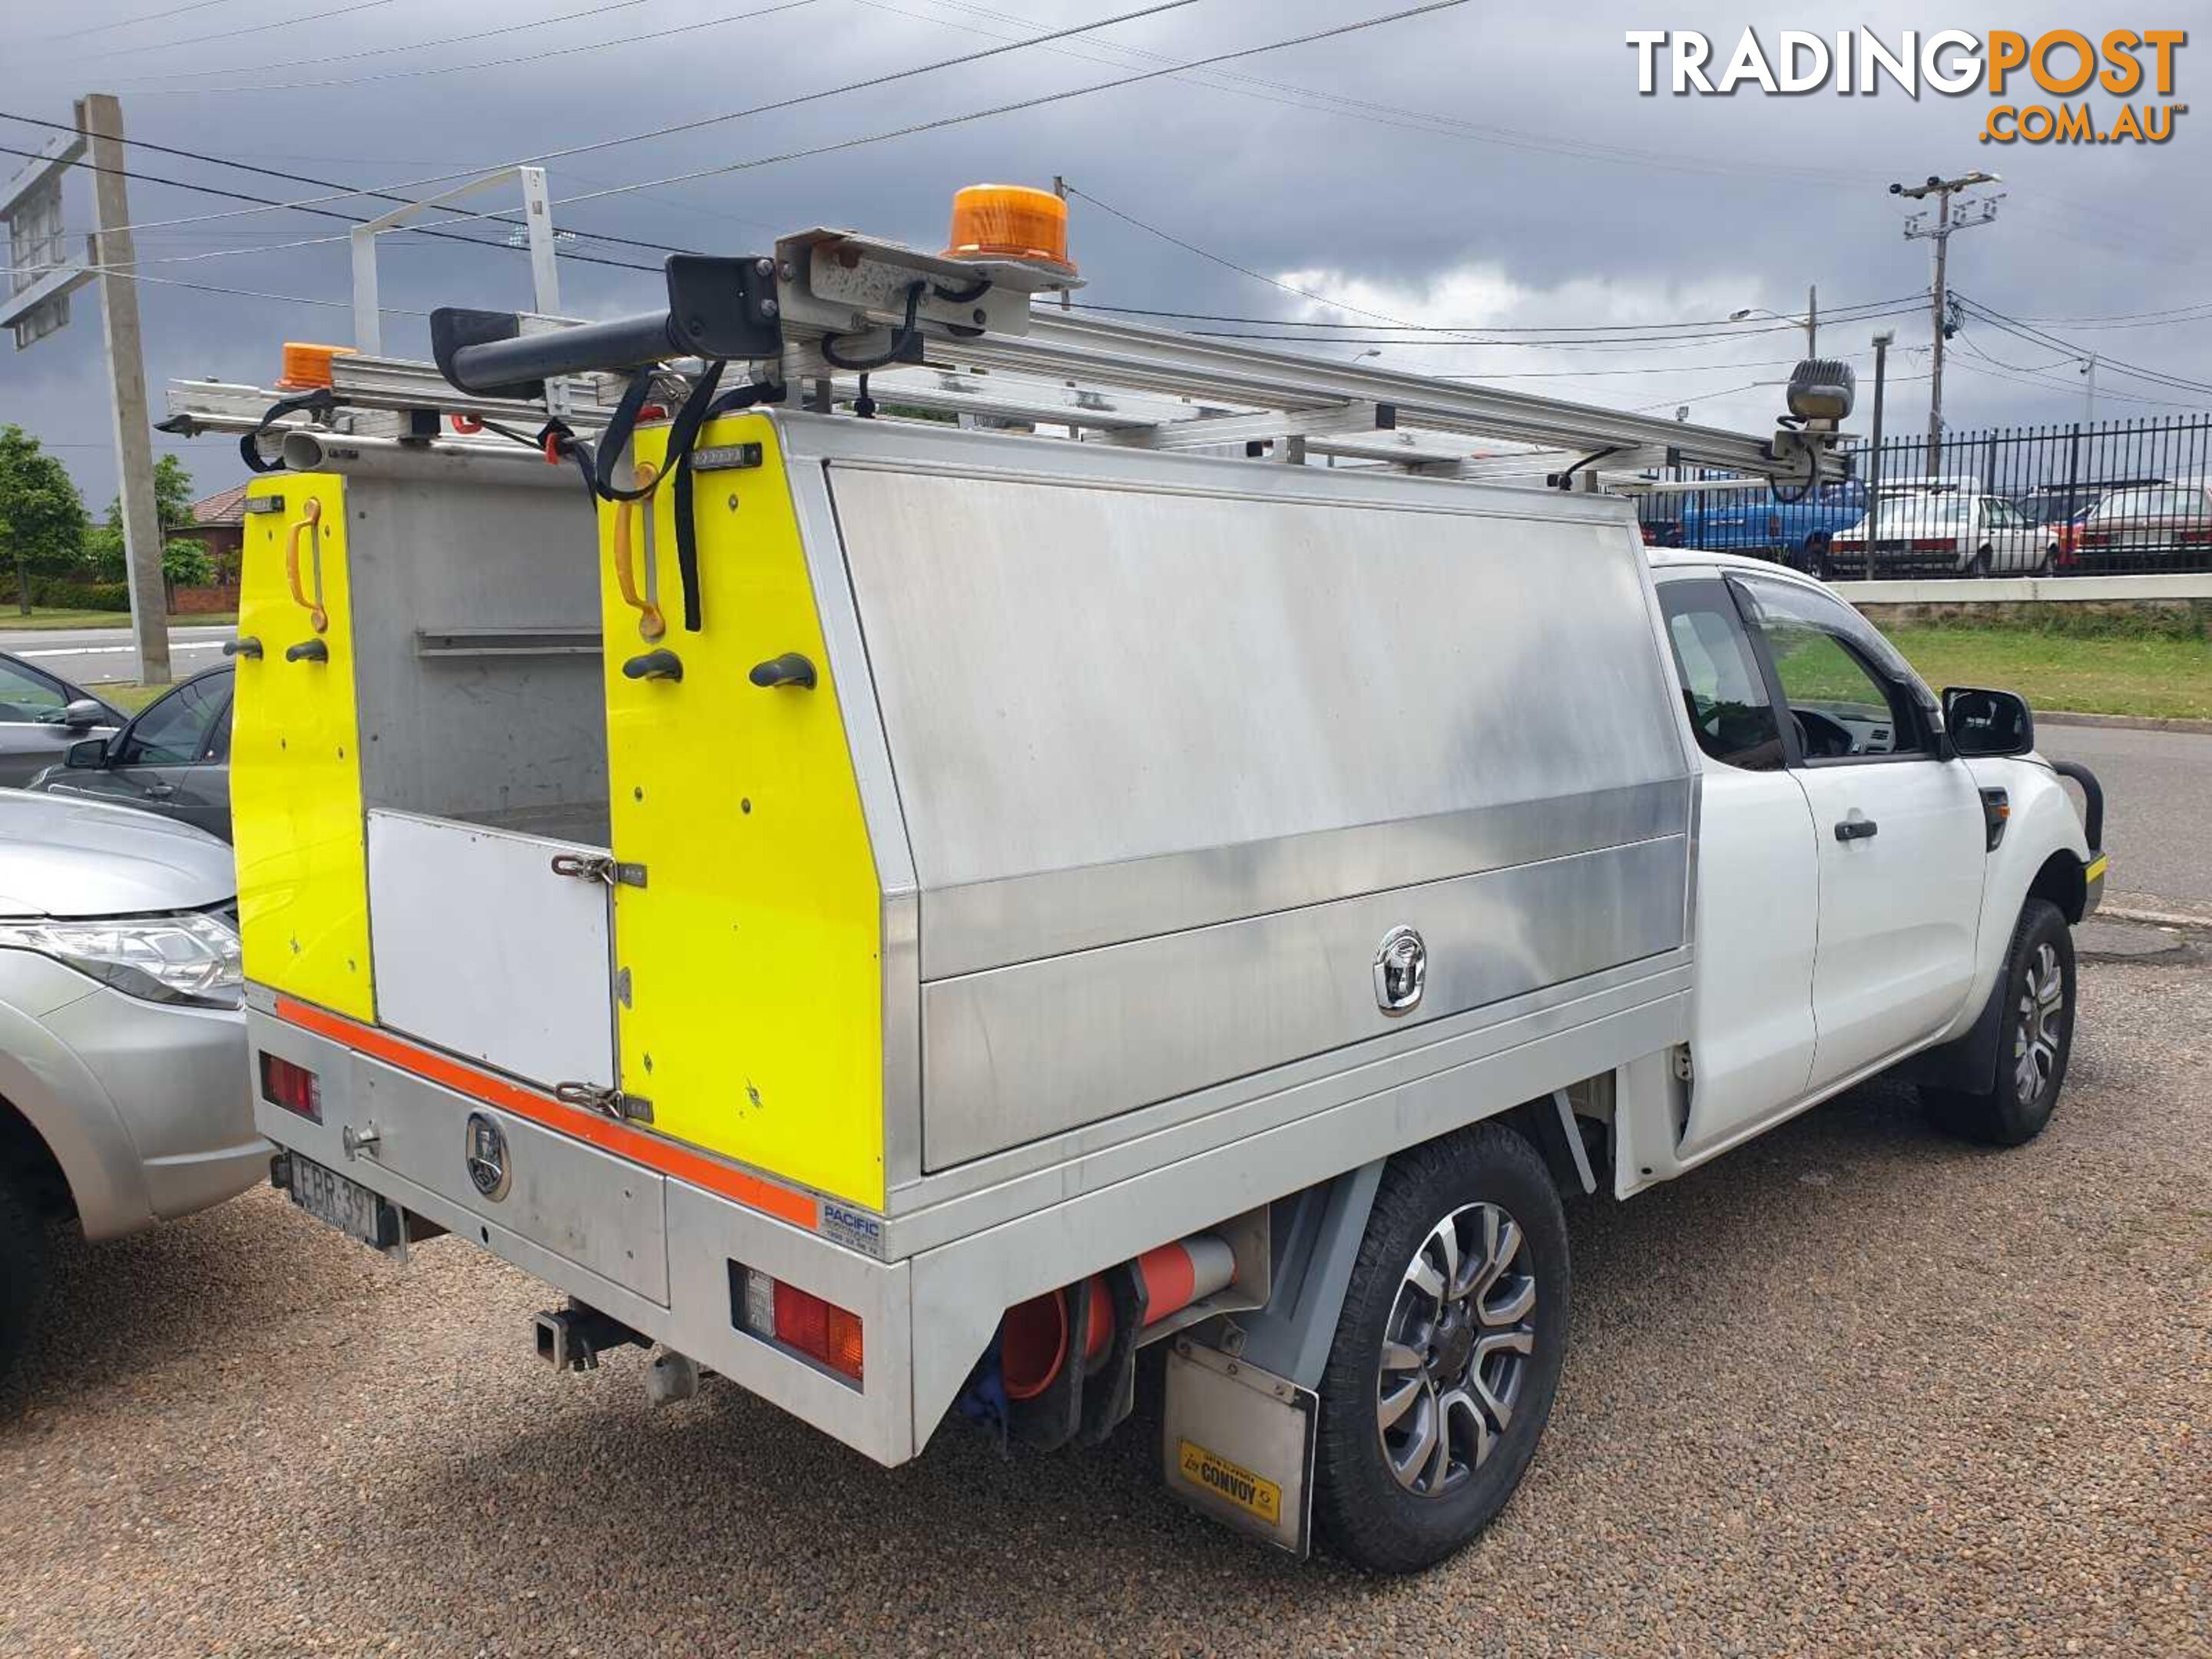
(789, 669)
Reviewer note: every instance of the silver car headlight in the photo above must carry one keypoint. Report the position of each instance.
(190, 958)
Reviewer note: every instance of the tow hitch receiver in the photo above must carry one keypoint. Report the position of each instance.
(573, 1338)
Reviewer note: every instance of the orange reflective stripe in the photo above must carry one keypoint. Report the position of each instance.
(800, 1209)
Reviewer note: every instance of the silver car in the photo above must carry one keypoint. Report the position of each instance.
(124, 1094)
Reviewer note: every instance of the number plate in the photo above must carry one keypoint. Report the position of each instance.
(343, 1204)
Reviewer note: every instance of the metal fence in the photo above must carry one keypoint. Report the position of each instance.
(2120, 497)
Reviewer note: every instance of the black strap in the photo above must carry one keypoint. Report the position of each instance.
(320, 401)
(681, 436)
(907, 336)
(621, 426)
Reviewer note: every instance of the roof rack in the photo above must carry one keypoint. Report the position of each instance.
(837, 319)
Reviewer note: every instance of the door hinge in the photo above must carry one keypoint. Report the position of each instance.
(599, 866)
(607, 1103)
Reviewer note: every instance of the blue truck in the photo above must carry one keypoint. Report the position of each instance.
(1731, 515)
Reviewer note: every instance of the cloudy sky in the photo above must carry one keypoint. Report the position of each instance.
(1486, 167)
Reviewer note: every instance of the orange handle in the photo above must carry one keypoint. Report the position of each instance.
(651, 624)
(310, 515)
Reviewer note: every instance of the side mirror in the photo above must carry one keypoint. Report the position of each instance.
(1982, 722)
(84, 714)
(86, 755)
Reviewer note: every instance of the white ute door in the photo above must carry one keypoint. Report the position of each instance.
(1752, 1034)
(1900, 834)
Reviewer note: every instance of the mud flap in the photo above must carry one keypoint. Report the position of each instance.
(1237, 1443)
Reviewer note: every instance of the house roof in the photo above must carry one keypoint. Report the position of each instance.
(225, 507)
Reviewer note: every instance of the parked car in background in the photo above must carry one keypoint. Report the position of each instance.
(174, 757)
(1727, 515)
(41, 714)
(2140, 527)
(1947, 527)
(124, 1094)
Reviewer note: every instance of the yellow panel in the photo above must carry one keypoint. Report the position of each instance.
(294, 767)
(753, 1021)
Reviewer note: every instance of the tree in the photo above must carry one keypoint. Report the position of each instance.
(182, 560)
(42, 518)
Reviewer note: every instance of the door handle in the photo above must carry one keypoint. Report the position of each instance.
(159, 791)
(1857, 830)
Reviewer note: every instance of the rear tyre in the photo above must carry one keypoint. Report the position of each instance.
(23, 1271)
(2049, 561)
(2036, 1037)
(1448, 1352)
(1981, 564)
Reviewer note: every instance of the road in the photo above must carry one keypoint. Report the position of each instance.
(90, 656)
(2158, 811)
(1853, 1388)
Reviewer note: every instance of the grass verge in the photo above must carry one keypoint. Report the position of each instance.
(2161, 677)
(42, 617)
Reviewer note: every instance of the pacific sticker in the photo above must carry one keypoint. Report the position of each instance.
(1217, 1475)
(854, 1229)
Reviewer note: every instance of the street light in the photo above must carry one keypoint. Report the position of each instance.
(1810, 322)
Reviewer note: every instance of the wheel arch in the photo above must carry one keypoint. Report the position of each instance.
(2063, 879)
(27, 1159)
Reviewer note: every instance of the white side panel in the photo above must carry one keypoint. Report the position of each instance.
(1758, 927)
(480, 949)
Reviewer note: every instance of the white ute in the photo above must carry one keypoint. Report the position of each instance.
(910, 918)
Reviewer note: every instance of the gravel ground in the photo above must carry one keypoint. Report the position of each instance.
(1852, 1390)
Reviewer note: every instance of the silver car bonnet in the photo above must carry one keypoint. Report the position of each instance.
(60, 857)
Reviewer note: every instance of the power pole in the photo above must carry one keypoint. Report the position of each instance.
(1917, 228)
(2089, 392)
(99, 118)
(1059, 189)
(1881, 344)
(1813, 320)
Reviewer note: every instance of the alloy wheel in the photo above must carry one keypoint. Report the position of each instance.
(1456, 1349)
(2037, 1030)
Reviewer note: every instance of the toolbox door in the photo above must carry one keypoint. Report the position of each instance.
(493, 943)
(748, 916)
(295, 766)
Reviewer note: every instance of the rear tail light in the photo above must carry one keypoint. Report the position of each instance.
(294, 1088)
(1934, 545)
(2093, 538)
(798, 1320)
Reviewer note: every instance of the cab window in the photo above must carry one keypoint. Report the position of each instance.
(1730, 712)
(28, 696)
(177, 730)
(1845, 686)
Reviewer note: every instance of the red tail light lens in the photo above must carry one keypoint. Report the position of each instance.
(795, 1319)
(821, 1330)
(294, 1088)
(1934, 545)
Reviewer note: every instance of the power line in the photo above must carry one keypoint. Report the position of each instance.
(126, 23)
(321, 213)
(2052, 342)
(1039, 102)
(1159, 6)
(493, 62)
(332, 183)
(233, 34)
(530, 26)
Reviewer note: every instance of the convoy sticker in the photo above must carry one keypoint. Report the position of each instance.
(1250, 1493)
